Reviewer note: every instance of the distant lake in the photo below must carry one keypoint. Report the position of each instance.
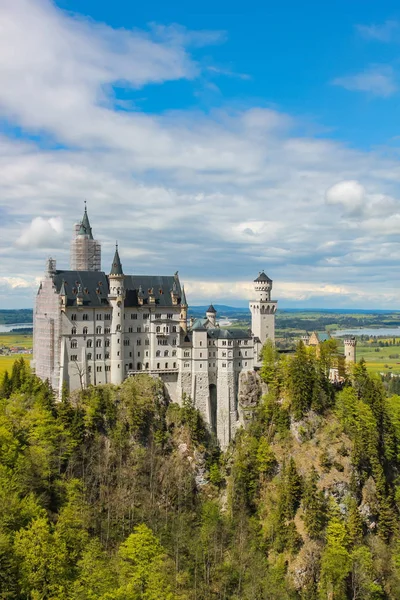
(7, 328)
(379, 331)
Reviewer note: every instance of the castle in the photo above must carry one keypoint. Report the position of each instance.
(93, 328)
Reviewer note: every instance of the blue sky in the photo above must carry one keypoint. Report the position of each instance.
(217, 138)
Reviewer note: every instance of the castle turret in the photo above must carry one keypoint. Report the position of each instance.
(85, 250)
(263, 311)
(211, 315)
(350, 345)
(183, 313)
(116, 298)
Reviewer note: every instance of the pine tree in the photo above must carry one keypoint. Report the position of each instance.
(314, 506)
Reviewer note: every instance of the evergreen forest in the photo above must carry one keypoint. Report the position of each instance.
(115, 494)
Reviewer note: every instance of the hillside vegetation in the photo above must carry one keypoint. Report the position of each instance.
(113, 494)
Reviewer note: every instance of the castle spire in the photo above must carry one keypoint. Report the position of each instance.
(116, 267)
(183, 299)
(85, 228)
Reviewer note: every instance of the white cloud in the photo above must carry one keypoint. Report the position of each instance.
(15, 282)
(41, 233)
(349, 194)
(218, 195)
(378, 80)
(385, 32)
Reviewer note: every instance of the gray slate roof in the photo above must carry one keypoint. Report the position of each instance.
(199, 324)
(94, 286)
(262, 277)
(161, 286)
(85, 228)
(116, 267)
(211, 309)
(228, 334)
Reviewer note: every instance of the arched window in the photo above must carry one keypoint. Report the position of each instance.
(166, 365)
(85, 330)
(139, 366)
(158, 329)
(158, 353)
(74, 344)
(98, 343)
(174, 365)
(158, 365)
(73, 331)
(98, 329)
(147, 365)
(89, 344)
(174, 328)
(166, 353)
(118, 327)
(89, 356)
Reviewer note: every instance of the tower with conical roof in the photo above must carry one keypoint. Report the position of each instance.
(263, 311)
(85, 250)
(116, 298)
(211, 315)
(183, 313)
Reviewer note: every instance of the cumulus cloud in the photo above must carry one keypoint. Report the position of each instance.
(349, 194)
(378, 80)
(41, 233)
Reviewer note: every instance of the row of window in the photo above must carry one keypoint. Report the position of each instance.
(134, 316)
(165, 329)
(107, 316)
(99, 330)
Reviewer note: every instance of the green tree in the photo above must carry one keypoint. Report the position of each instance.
(335, 562)
(142, 568)
(300, 381)
(43, 561)
(266, 460)
(314, 506)
(364, 585)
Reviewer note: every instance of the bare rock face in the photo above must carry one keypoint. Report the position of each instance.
(251, 388)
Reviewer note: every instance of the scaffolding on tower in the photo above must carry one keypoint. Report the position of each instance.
(85, 251)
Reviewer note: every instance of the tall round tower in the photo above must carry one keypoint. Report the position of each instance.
(116, 299)
(85, 250)
(263, 309)
(350, 345)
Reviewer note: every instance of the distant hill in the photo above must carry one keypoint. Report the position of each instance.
(222, 309)
(12, 317)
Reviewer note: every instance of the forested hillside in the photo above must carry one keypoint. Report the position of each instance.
(113, 494)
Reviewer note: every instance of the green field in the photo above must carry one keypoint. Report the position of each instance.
(13, 339)
(379, 362)
(6, 362)
(16, 339)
